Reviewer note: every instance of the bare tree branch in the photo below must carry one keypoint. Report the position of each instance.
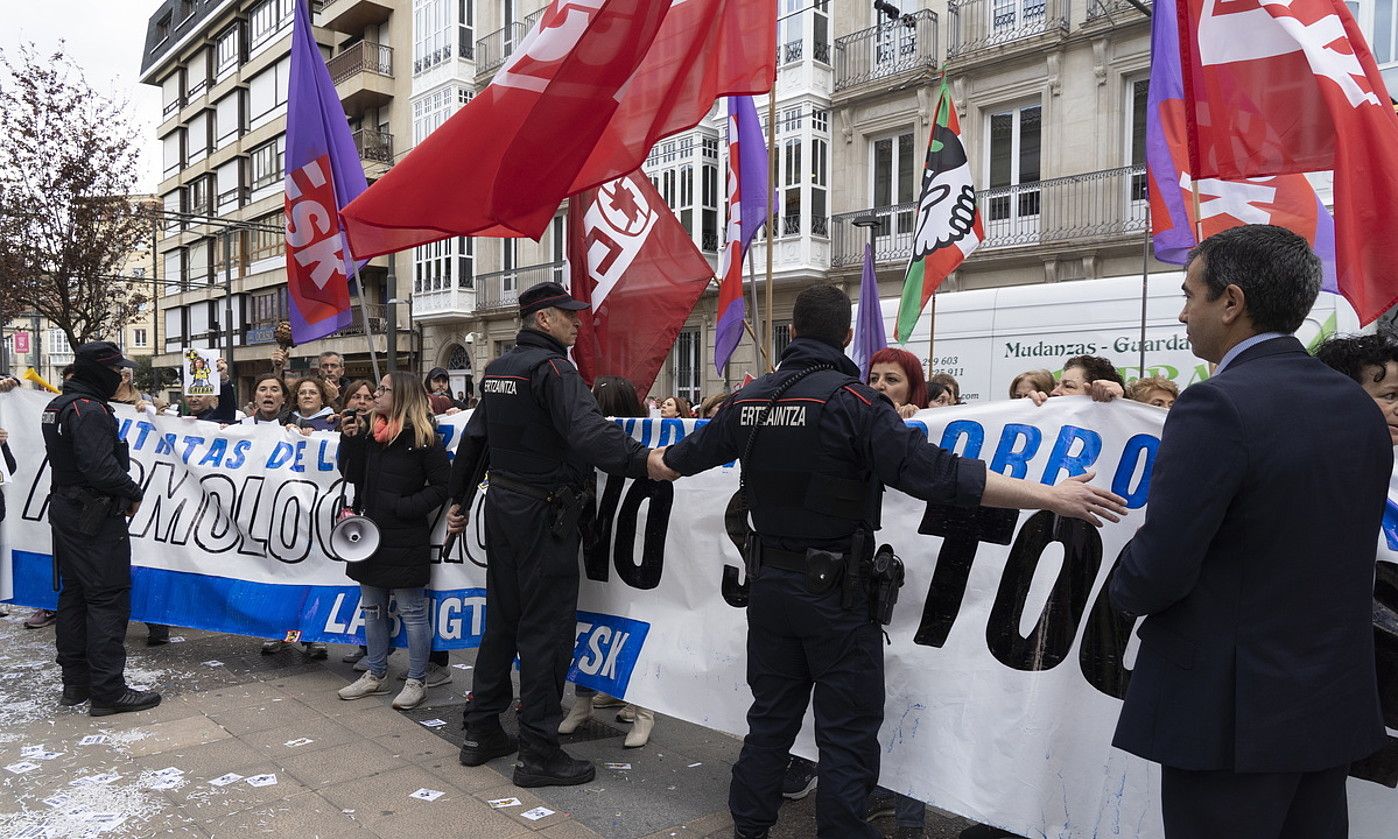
(68, 221)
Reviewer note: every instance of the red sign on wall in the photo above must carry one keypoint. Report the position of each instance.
(22, 343)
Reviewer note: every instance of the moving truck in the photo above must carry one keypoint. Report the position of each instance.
(986, 337)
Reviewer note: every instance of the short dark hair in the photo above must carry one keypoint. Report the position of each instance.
(1350, 354)
(1095, 367)
(822, 312)
(1276, 269)
(616, 396)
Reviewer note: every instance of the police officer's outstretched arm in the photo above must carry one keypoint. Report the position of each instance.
(711, 445)
(904, 458)
(94, 449)
(576, 417)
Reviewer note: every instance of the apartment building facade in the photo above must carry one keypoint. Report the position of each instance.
(223, 68)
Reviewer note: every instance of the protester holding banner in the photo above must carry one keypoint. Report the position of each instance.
(544, 435)
(1030, 382)
(1154, 390)
(269, 400)
(399, 470)
(675, 407)
(1255, 686)
(813, 482)
(312, 411)
(898, 375)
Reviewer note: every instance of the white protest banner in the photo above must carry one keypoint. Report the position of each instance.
(200, 372)
(1006, 664)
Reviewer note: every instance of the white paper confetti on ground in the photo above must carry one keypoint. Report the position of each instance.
(502, 803)
(299, 741)
(427, 794)
(617, 765)
(22, 767)
(537, 813)
(262, 780)
(434, 723)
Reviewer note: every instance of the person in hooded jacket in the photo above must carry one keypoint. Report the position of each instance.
(400, 472)
(92, 497)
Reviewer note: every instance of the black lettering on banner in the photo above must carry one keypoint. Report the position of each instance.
(646, 575)
(249, 502)
(597, 553)
(287, 541)
(477, 518)
(323, 516)
(161, 510)
(962, 530)
(214, 528)
(1052, 637)
(36, 503)
(1102, 655)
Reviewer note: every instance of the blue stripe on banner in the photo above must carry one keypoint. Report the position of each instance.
(607, 649)
(262, 610)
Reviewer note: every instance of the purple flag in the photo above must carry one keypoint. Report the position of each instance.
(869, 336)
(323, 174)
(747, 210)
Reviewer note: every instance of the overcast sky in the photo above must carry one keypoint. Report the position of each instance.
(105, 39)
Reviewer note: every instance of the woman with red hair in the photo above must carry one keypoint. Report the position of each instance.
(898, 375)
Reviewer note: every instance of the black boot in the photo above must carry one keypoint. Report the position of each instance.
(74, 695)
(131, 700)
(738, 834)
(558, 769)
(485, 744)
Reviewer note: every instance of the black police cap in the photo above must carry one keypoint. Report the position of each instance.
(547, 296)
(102, 352)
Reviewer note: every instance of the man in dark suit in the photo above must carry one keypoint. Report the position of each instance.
(1255, 684)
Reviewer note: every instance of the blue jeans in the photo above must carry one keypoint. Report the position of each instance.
(410, 604)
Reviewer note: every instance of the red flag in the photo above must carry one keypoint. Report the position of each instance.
(579, 103)
(633, 262)
(1277, 87)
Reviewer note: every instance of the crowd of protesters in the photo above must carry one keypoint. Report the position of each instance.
(392, 457)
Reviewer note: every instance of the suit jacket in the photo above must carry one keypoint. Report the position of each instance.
(1255, 565)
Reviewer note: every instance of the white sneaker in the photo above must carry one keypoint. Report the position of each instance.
(411, 695)
(367, 685)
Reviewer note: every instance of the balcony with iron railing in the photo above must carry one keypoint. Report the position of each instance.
(363, 75)
(881, 53)
(376, 146)
(493, 49)
(977, 25)
(500, 289)
(1091, 207)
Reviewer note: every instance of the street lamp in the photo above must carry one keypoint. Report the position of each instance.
(412, 327)
(872, 222)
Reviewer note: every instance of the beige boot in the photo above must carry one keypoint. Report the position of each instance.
(580, 713)
(640, 730)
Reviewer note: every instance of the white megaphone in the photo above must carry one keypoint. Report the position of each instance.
(355, 538)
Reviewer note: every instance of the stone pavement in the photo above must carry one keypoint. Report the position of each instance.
(303, 763)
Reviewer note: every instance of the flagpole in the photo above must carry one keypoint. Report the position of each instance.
(932, 335)
(768, 345)
(1145, 279)
(364, 312)
(756, 314)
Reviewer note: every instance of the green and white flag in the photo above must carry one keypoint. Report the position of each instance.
(948, 223)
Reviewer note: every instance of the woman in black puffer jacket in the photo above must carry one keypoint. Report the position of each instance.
(399, 470)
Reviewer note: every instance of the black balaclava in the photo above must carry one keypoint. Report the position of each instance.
(105, 379)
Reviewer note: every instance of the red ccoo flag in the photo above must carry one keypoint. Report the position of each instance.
(637, 268)
(1274, 87)
(579, 103)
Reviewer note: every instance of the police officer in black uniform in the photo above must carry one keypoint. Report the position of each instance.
(816, 446)
(91, 499)
(544, 434)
